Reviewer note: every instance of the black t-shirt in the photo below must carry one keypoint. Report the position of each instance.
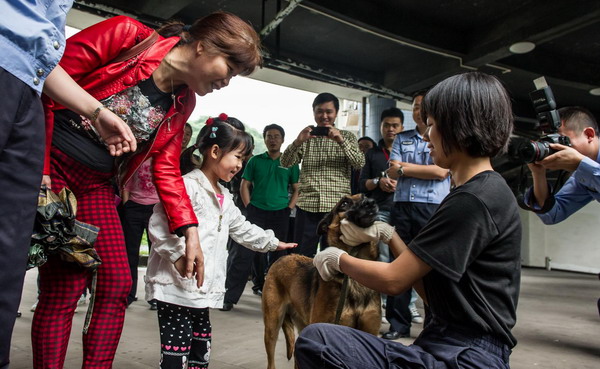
(473, 244)
(142, 107)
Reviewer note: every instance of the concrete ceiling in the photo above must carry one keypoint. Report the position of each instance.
(393, 48)
(396, 47)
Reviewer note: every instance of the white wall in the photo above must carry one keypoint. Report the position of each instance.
(570, 245)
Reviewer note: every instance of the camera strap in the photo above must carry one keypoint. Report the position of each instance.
(549, 203)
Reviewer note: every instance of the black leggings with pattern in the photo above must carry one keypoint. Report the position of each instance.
(185, 336)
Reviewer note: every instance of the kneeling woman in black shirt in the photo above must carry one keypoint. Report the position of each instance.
(465, 262)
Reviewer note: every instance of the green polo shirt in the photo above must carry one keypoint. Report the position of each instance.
(270, 181)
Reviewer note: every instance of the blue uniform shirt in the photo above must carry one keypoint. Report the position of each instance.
(579, 190)
(32, 38)
(410, 147)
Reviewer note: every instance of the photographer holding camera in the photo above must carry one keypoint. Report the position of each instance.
(580, 126)
(581, 158)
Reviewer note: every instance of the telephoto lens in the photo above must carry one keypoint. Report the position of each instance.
(533, 151)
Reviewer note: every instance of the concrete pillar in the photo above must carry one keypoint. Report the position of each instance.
(375, 105)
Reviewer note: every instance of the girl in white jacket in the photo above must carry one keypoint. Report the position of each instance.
(185, 329)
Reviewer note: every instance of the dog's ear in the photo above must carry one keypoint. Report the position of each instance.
(324, 223)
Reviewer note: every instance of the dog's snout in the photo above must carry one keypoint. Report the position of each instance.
(363, 212)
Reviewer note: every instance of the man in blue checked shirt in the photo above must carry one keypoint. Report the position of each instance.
(421, 186)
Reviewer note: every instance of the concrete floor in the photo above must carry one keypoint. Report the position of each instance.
(558, 327)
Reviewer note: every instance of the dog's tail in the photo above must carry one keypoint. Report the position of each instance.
(290, 337)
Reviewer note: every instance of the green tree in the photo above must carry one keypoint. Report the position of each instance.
(259, 141)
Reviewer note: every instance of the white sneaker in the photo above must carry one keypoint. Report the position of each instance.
(34, 306)
(416, 317)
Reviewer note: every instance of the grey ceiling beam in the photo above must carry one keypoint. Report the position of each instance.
(391, 22)
(431, 80)
(331, 76)
(145, 9)
(534, 23)
(151, 12)
(279, 17)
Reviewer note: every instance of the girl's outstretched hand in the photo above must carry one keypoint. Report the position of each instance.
(285, 246)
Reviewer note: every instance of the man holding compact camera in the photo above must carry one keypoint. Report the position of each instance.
(328, 156)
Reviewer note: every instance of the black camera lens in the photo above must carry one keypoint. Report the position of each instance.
(533, 151)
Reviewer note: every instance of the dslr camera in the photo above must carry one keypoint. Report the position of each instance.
(548, 122)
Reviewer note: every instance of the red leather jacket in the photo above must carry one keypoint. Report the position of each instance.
(87, 59)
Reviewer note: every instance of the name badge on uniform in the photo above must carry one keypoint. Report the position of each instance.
(407, 142)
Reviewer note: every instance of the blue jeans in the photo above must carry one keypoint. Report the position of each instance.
(332, 346)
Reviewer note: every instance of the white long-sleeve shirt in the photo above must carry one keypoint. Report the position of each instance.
(216, 224)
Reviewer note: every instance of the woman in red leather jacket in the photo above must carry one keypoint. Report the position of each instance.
(153, 91)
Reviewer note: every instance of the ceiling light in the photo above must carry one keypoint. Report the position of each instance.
(521, 47)
(595, 91)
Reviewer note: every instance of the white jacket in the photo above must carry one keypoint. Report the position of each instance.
(216, 224)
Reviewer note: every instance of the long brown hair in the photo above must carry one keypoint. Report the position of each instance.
(221, 32)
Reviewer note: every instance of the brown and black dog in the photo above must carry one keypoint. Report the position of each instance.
(294, 295)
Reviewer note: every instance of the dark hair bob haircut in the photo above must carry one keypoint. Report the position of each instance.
(473, 114)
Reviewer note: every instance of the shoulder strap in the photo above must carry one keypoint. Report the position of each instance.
(137, 49)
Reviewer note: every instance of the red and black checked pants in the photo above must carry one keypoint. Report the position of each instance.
(62, 283)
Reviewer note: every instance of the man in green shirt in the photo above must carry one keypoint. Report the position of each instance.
(265, 192)
(328, 156)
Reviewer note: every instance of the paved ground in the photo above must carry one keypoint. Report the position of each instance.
(558, 327)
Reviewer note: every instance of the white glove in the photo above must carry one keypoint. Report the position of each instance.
(328, 262)
(353, 235)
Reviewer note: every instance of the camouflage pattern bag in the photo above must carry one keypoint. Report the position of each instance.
(56, 231)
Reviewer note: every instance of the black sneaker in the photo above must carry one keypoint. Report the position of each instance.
(227, 306)
(153, 305)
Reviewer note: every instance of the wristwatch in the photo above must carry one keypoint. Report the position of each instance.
(400, 171)
(376, 180)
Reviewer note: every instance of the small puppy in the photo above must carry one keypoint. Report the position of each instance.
(294, 295)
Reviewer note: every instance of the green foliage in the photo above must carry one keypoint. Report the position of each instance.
(259, 141)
